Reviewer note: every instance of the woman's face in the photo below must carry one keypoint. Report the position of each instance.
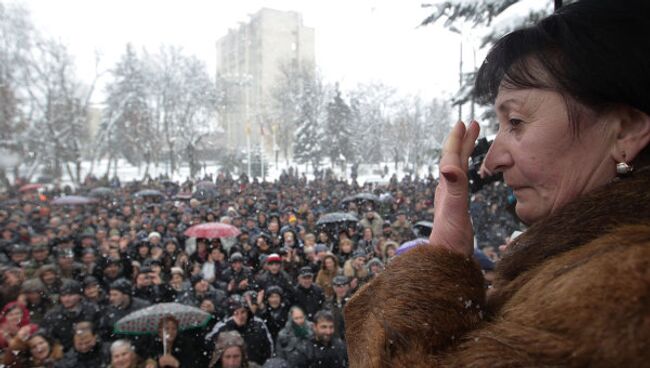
(544, 163)
(329, 264)
(232, 357)
(275, 300)
(14, 316)
(298, 317)
(39, 348)
(122, 357)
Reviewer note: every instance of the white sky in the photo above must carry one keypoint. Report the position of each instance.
(356, 41)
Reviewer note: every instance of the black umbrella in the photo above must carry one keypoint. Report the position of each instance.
(101, 192)
(149, 193)
(361, 197)
(204, 194)
(336, 217)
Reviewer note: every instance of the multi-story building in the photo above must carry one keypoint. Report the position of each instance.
(249, 58)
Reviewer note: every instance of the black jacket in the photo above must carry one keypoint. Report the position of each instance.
(310, 300)
(58, 322)
(259, 344)
(113, 314)
(314, 354)
(95, 358)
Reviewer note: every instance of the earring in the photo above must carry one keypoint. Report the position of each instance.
(623, 168)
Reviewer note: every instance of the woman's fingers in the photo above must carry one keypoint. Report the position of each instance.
(469, 141)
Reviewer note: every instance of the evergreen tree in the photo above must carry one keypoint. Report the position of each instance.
(337, 130)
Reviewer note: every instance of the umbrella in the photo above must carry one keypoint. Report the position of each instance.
(203, 194)
(30, 187)
(422, 229)
(72, 200)
(411, 244)
(148, 193)
(361, 197)
(212, 230)
(206, 185)
(101, 192)
(336, 217)
(146, 321)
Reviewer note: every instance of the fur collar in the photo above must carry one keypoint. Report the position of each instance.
(622, 202)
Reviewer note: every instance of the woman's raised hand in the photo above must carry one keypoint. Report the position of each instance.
(452, 228)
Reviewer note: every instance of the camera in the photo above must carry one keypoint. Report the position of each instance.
(476, 182)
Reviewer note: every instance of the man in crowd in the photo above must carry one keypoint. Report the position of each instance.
(121, 304)
(324, 349)
(307, 295)
(87, 351)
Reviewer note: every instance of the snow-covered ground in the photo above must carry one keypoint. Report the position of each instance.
(127, 172)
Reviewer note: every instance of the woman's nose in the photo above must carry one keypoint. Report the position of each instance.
(498, 157)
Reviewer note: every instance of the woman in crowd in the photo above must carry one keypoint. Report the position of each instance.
(32, 350)
(329, 269)
(14, 317)
(230, 352)
(297, 330)
(572, 96)
(123, 356)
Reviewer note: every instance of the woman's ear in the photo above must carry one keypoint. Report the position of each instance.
(633, 133)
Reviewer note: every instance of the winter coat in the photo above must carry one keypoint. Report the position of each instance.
(58, 322)
(275, 319)
(314, 354)
(244, 274)
(337, 307)
(259, 344)
(376, 224)
(266, 279)
(95, 358)
(325, 277)
(572, 291)
(290, 338)
(310, 300)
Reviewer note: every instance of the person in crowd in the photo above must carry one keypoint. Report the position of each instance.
(336, 304)
(372, 220)
(238, 277)
(182, 351)
(402, 228)
(329, 269)
(324, 349)
(35, 350)
(87, 350)
(230, 352)
(571, 96)
(59, 321)
(273, 311)
(296, 330)
(274, 275)
(355, 269)
(259, 344)
(13, 318)
(123, 356)
(122, 303)
(36, 302)
(307, 295)
(202, 290)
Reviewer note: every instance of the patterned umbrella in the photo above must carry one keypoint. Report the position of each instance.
(72, 200)
(146, 321)
(212, 230)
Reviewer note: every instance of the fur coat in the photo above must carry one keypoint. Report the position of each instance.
(573, 291)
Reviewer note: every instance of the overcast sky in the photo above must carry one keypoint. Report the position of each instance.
(356, 41)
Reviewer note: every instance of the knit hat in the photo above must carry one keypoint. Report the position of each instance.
(70, 287)
(273, 257)
(122, 285)
(236, 257)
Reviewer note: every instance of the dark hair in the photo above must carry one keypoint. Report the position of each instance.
(594, 52)
(323, 315)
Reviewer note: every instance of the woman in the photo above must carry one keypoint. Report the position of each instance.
(297, 330)
(573, 102)
(31, 351)
(230, 352)
(274, 311)
(123, 356)
(329, 269)
(14, 317)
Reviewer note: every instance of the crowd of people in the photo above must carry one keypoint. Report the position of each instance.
(276, 292)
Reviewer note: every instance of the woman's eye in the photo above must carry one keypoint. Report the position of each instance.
(514, 123)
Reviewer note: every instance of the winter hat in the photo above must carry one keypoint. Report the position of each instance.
(375, 262)
(236, 257)
(236, 302)
(273, 289)
(33, 286)
(273, 257)
(70, 287)
(359, 253)
(224, 341)
(89, 281)
(177, 270)
(122, 285)
(306, 271)
(153, 234)
(340, 280)
(321, 248)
